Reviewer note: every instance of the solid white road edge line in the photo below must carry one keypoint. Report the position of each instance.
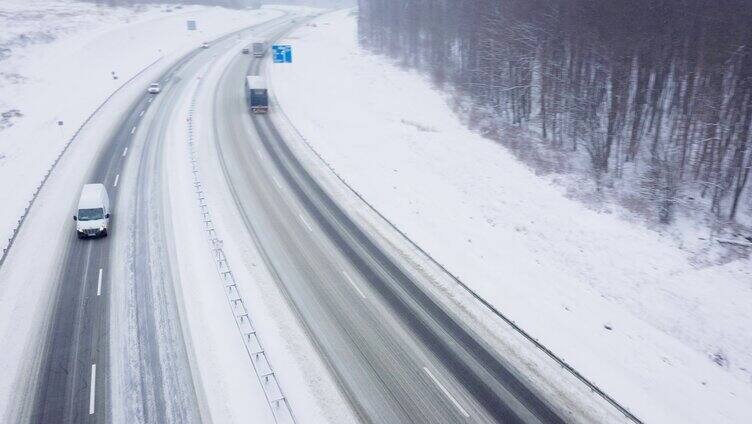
(117, 177)
(305, 222)
(354, 285)
(446, 393)
(99, 282)
(133, 130)
(276, 182)
(92, 387)
(125, 152)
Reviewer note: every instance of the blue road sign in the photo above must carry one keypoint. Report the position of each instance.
(282, 53)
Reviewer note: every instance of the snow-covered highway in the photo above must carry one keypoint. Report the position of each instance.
(398, 356)
(117, 349)
(151, 359)
(354, 254)
(397, 353)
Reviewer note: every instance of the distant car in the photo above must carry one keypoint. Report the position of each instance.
(93, 215)
(154, 88)
(204, 45)
(246, 50)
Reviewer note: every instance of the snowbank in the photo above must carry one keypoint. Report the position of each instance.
(620, 302)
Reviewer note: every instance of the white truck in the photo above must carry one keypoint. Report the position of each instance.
(93, 216)
(257, 94)
(259, 49)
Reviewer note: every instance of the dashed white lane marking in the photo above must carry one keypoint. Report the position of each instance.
(99, 282)
(305, 222)
(125, 152)
(354, 285)
(150, 99)
(258, 152)
(446, 393)
(276, 182)
(141, 114)
(117, 177)
(92, 387)
(133, 130)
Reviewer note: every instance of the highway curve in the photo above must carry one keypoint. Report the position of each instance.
(396, 353)
(398, 356)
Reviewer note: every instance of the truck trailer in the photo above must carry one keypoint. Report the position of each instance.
(259, 49)
(256, 93)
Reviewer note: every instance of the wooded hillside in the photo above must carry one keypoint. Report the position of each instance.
(660, 90)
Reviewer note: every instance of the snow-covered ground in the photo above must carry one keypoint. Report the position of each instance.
(622, 303)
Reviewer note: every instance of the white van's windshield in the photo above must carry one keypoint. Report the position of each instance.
(90, 214)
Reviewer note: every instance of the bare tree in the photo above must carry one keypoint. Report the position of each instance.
(662, 85)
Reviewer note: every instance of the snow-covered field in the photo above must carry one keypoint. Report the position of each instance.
(622, 303)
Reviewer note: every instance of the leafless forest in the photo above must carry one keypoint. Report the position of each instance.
(229, 3)
(657, 93)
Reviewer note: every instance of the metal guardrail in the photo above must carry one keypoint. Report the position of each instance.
(275, 397)
(30, 203)
(629, 415)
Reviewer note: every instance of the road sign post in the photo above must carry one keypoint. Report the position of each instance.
(282, 53)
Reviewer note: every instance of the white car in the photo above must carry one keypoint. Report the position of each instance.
(154, 88)
(93, 215)
(204, 45)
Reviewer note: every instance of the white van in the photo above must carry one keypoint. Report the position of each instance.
(93, 217)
